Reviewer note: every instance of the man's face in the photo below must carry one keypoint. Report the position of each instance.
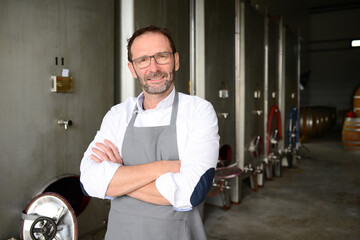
(154, 79)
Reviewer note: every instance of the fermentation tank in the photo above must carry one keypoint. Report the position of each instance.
(220, 91)
(236, 77)
(289, 101)
(272, 111)
(250, 60)
(49, 115)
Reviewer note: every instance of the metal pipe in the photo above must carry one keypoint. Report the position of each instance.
(192, 86)
(197, 48)
(281, 72)
(240, 81)
(127, 28)
(266, 74)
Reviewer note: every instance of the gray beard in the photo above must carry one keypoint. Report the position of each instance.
(160, 89)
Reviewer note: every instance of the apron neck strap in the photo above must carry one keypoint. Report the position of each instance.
(173, 112)
(174, 109)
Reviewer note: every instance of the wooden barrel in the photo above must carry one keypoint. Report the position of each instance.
(314, 121)
(357, 102)
(351, 134)
(320, 122)
(308, 122)
(328, 117)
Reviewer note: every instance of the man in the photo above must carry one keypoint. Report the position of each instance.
(154, 155)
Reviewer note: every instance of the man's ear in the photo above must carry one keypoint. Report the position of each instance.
(132, 70)
(177, 61)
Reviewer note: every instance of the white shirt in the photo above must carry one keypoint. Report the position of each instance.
(197, 139)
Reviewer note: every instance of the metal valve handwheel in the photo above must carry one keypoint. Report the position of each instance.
(49, 216)
(43, 228)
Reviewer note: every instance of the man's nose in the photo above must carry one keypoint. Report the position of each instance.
(153, 65)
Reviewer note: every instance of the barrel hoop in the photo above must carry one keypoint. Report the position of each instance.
(351, 148)
(352, 129)
(351, 141)
(352, 123)
(352, 120)
(356, 96)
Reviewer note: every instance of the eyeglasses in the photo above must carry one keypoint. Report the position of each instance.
(161, 58)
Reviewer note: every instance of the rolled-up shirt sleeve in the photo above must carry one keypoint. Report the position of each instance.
(189, 187)
(95, 177)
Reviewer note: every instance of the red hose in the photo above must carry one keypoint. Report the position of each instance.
(273, 109)
(217, 191)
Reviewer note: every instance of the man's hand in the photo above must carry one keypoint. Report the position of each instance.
(130, 178)
(108, 152)
(138, 180)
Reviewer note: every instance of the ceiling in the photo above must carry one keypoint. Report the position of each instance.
(330, 5)
(290, 7)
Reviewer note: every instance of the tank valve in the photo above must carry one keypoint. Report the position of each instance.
(223, 115)
(258, 112)
(248, 168)
(65, 123)
(258, 170)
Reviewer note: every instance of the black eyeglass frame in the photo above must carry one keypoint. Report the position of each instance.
(152, 56)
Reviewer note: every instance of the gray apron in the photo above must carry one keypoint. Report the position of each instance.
(132, 219)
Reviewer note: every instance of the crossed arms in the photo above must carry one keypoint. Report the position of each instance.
(136, 181)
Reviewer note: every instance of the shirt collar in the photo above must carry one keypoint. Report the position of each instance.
(165, 103)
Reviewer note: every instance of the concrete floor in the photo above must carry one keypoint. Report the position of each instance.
(317, 199)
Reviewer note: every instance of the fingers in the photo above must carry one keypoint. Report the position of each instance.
(106, 152)
(95, 158)
(101, 154)
(115, 150)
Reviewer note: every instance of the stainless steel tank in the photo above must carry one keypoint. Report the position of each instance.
(250, 67)
(220, 72)
(272, 116)
(241, 110)
(44, 132)
(290, 96)
(220, 91)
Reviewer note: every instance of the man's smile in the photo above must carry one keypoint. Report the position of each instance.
(157, 77)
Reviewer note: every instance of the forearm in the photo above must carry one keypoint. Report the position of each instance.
(130, 178)
(150, 194)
